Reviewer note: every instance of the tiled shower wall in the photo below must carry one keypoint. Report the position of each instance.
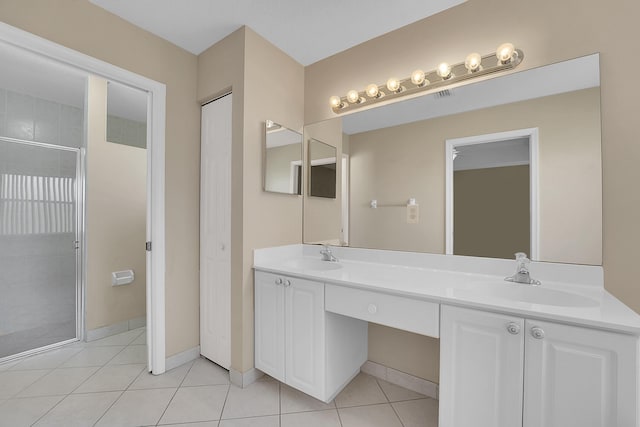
(28, 118)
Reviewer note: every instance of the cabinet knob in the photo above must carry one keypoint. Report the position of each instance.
(513, 328)
(279, 281)
(372, 309)
(287, 282)
(537, 333)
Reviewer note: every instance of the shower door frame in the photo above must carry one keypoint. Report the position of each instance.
(79, 243)
(156, 118)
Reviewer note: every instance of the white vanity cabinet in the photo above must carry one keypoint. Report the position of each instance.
(299, 344)
(498, 370)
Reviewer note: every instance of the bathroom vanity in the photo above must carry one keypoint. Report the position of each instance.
(561, 354)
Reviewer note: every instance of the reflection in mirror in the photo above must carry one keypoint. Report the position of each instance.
(282, 159)
(322, 169)
(126, 115)
(397, 152)
(491, 199)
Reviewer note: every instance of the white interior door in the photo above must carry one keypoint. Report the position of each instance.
(215, 232)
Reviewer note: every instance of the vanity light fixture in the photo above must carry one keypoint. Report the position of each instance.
(393, 84)
(444, 71)
(475, 65)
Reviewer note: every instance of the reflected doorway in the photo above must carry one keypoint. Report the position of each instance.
(492, 195)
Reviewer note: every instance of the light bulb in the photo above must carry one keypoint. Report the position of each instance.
(372, 90)
(417, 77)
(353, 97)
(393, 84)
(473, 62)
(444, 70)
(335, 102)
(505, 52)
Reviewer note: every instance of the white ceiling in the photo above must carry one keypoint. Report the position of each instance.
(307, 30)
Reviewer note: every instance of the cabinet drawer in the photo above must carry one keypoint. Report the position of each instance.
(417, 316)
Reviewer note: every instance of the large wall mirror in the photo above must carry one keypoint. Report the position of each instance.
(282, 159)
(399, 152)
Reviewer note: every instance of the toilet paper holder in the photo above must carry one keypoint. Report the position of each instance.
(119, 278)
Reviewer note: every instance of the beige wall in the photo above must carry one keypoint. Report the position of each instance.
(541, 29)
(89, 29)
(570, 178)
(266, 83)
(116, 219)
(491, 212)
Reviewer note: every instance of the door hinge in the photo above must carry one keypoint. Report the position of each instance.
(148, 246)
(76, 244)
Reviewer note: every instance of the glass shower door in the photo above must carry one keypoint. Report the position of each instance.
(39, 292)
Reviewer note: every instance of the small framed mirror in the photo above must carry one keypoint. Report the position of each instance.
(282, 159)
(322, 169)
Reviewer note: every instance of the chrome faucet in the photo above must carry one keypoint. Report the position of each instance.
(522, 271)
(327, 255)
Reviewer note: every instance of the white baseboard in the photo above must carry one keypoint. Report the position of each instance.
(181, 358)
(116, 328)
(138, 322)
(402, 379)
(243, 379)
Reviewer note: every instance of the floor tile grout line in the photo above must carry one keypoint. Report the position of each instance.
(50, 409)
(174, 393)
(397, 415)
(109, 408)
(166, 407)
(382, 389)
(339, 417)
(15, 395)
(188, 371)
(224, 404)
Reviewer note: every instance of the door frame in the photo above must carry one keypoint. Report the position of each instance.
(534, 197)
(155, 232)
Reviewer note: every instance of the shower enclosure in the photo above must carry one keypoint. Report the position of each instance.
(39, 246)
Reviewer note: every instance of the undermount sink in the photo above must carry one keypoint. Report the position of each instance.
(311, 264)
(530, 294)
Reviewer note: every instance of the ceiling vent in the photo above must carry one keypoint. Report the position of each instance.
(444, 94)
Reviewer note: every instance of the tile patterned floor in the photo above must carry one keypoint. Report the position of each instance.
(104, 383)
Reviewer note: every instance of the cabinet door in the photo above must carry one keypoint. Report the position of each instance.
(269, 324)
(305, 326)
(579, 377)
(481, 369)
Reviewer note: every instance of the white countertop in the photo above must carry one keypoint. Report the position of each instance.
(460, 281)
